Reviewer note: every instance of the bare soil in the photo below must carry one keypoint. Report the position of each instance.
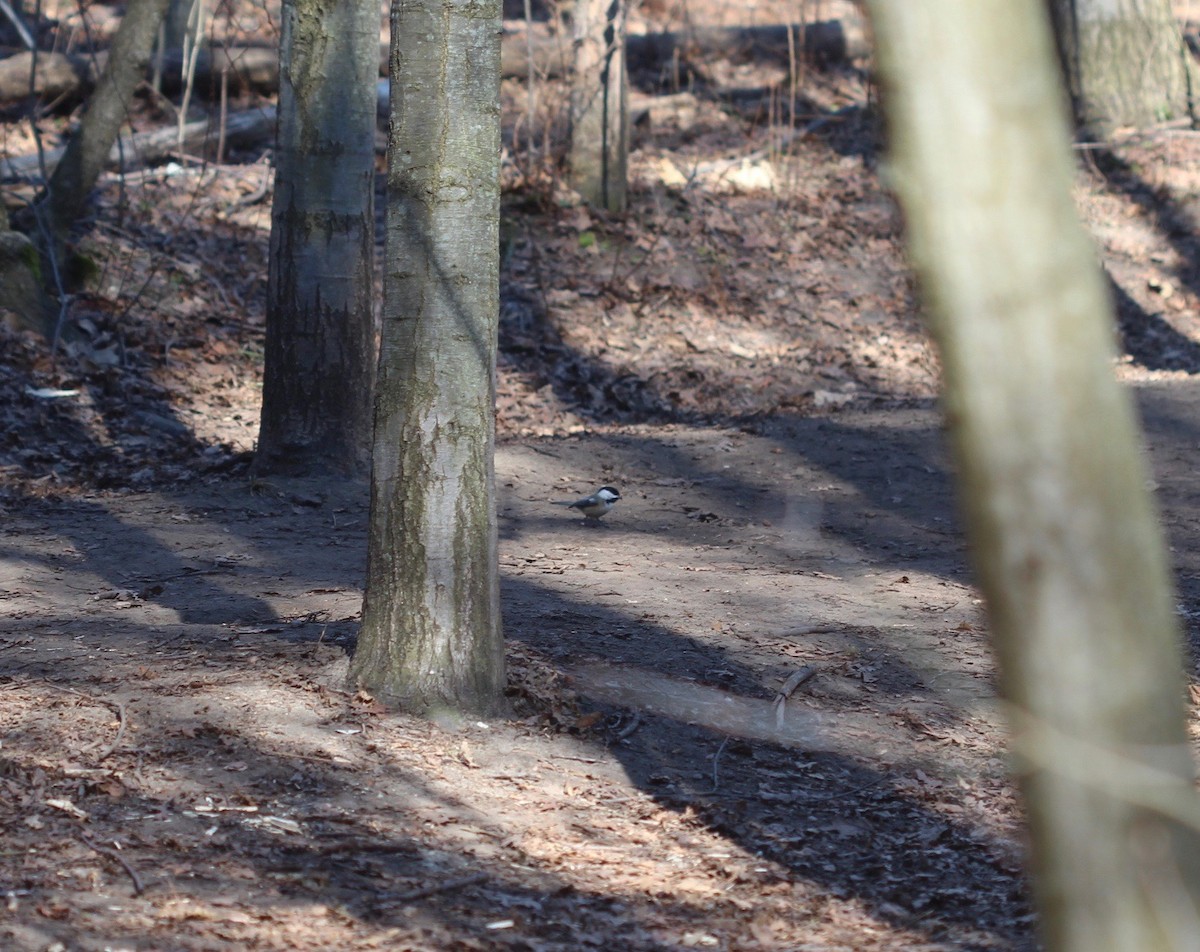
(182, 763)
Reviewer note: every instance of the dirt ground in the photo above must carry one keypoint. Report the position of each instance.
(182, 764)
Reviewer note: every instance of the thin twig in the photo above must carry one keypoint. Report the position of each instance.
(836, 794)
(18, 24)
(716, 764)
(138, 886)
(798, 677)
(448, 886)
(105, 752)
(629, 728)
(116, 706)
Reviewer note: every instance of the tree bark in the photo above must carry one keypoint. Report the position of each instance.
(1064, 532)
(600, 105)
(431, 638)
(1125, 62)
(21, 291)
(82, 163)
(320, 335)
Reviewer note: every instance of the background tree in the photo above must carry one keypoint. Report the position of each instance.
(183, 24)
(320, 348)
(1125, 62)
(599, 157)
(86, 153)
(431, 635)
(1065, 536)
(21, 288)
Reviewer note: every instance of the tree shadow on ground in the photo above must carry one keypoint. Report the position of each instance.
(295, 827)
(1173, 429)
(840, 825)
(1149, 340)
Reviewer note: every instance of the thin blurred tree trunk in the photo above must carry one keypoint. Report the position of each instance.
(1125, 63)
(600, 105)
(75, 176)
(431, 637)
(320, 343)
(1053, 482)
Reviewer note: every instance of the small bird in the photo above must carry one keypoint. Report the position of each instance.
(595, 505)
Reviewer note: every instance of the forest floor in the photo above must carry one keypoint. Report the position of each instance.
(182, 764)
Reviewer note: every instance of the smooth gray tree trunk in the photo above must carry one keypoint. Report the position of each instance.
(1052, 477)
(320, 342)
(431, 636)
(75, 176)
(599, 157)
(1125, 63)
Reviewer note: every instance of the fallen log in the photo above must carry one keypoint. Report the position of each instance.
(243, 68)
(199, 138)
(240, 68)
(829, 41)
(55, 75)
(257, 67)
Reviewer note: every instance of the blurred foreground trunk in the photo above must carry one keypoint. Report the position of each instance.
(1052, 478)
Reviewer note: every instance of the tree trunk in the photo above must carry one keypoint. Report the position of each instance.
(316, 410)
(21, 288)
(1065, 536)
(87, 151)
(182, 24)
(600, 105)
(431, 637)
(1125, 63)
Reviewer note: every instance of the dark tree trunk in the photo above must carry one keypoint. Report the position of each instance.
(316, 412)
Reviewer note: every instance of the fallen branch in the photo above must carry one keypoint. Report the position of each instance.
(58, 75)
(828, 41)
(549, 54)
(525, 51)
(241, 129)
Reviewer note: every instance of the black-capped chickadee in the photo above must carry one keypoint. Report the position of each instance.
(595, 505)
